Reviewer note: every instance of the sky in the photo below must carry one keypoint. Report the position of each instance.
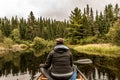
(55, 9)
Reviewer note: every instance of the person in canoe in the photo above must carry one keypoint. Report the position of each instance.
(59, 62)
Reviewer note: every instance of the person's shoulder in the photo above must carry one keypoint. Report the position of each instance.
(61, 46)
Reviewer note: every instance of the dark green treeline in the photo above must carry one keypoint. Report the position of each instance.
(32, 27)
(81, 25)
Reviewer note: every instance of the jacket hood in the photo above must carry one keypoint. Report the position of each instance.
(61, 48)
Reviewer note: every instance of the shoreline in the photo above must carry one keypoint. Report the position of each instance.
(13, 48)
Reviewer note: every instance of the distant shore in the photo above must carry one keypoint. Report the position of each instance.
(13, 48)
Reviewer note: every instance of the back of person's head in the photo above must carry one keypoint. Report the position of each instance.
(59, 41)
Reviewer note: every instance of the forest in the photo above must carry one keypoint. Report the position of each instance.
(83, 27)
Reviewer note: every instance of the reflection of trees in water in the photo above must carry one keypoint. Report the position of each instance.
(97, 73)
(31, 62)
(9, 67)
(27, 61)
(106, 66)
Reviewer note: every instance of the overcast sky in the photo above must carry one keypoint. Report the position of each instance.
(57, 9)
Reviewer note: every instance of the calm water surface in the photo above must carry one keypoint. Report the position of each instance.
(19, 66)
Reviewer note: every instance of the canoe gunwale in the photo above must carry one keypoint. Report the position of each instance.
(81, 74)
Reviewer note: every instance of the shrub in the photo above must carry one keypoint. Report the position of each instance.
(1, 36)
(8, 42)
(15, 35)
(114, 33)
(38, 43)
(88, 40)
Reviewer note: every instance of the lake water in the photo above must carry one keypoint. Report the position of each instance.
(19, 66)
(28, 76)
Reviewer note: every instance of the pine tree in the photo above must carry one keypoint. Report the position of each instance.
(6, 27)
(76, 29)
(23, 29)
(92, 22)
(108, 17)
(109, 13)
(101, 25)
(117, 12)
(88, 10)
(14, 23)
(31, 27)
(86, 25)
(41, 26)
(96, 24)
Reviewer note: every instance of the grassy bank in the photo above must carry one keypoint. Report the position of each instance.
(98, 49)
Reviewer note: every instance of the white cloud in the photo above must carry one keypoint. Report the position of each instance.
(58, 9)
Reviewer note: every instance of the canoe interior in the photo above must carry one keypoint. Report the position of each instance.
(79, 77)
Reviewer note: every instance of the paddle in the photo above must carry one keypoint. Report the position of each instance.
(80, 61)
(83, 61)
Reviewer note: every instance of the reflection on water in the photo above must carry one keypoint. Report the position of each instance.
(25, 66)
(18, 76)
(99, 75)
(96, 73)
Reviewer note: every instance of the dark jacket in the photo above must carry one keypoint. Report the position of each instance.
(59, 60)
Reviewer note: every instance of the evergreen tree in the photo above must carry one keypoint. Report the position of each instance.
(88, 10)
(92, 22)
(109, 13)
(41, 25)
(108, 17)
(6, 27)
(23, 29)
(1, 36)
(96, 24)
(101, 25)
(88, 23)
(14, 23)
(31, 27)
(86, 26)
(76, 29)
(117, 12)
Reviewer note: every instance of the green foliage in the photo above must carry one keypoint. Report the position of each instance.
(75, 17)
(114, 33)
(1, 36)
(23, 29)
(6, 27)
(39, 43)
(116, 11)
(50, 44)
(15, 35)
(77, 29)
(8, 42)
(88, 40)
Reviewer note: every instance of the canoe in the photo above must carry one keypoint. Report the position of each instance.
(80, 76)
